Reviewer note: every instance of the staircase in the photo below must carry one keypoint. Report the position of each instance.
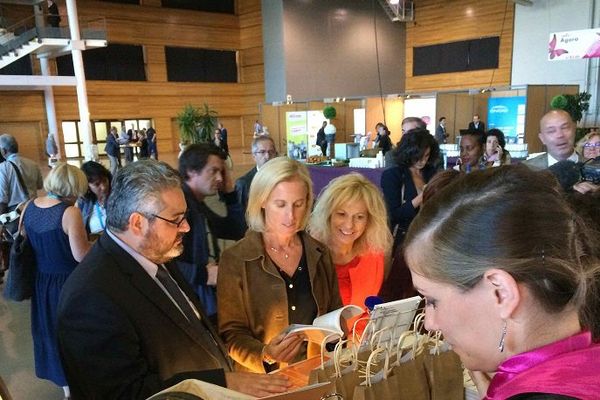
(399, 10)
(50, 42)
(24, 39)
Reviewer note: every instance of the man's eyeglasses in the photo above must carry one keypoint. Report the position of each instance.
(175, 222)
(263, 152)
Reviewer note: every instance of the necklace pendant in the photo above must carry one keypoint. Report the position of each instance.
(285, 255)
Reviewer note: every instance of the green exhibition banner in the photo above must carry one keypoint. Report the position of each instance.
(297, 135)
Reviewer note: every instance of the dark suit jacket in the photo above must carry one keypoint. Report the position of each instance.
(224, 144)
(480, 127)
(112, 146)
(242, 187)
(440, 134)
(121, 337)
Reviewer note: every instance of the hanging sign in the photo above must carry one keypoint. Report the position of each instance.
(574, 45)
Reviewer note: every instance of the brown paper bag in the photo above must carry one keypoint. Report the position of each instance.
(386, 388)
(411, 380)
(445, 375)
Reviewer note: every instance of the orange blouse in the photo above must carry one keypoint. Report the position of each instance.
(360, 278)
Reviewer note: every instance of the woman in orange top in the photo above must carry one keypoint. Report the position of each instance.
(350, 217)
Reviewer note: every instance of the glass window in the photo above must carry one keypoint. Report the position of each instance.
(72, 150)
(69, 132)
(144, 123)
(100, 128)
(129, 122)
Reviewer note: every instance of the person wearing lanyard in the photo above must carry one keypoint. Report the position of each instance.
(92, 204)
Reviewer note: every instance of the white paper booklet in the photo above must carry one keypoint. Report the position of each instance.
(333, 323)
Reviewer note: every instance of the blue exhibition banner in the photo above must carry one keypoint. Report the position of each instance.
(508, 115)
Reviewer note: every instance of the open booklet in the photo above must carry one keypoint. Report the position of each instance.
(195, 389)
(332, 324)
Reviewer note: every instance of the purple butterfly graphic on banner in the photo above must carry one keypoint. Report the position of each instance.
(553, 51)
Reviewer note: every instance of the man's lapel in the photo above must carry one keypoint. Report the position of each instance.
(150, 289)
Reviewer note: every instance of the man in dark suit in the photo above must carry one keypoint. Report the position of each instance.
(128, 324)
(263, 149)
(321, 140)
(224, 144)
(440, 131)
(477, 125)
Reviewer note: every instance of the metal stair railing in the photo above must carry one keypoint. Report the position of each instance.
(25, 31)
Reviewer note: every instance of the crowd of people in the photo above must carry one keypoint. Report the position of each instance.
(133, 293)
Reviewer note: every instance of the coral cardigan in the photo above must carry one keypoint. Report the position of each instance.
(366, 277)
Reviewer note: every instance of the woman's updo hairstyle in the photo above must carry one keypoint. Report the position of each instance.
(515, 219)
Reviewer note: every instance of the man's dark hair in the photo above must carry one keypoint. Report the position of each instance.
(195, 157)
(441, 118)
(413, 145)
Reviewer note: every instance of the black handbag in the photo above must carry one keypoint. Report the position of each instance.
(21, 268)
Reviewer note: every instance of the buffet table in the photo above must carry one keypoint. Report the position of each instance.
(322, 175)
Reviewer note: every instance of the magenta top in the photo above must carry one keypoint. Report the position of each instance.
(568, 367)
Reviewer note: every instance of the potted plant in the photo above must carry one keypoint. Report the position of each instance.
(196, 126)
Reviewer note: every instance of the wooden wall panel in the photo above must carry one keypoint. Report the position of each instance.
(443, 21)
(152, 15)
(156, 67)
(250, 19)
(248, 130)
(252, 56)
(30, 137)
(248, 6)
(270, 120)
(394, 110)
(251, 37)
(253, 73)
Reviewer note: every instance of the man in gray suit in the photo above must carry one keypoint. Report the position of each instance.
(557, 133)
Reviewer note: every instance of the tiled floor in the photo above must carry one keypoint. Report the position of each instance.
(16, 347)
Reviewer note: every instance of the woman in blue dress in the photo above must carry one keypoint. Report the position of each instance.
(57, 235)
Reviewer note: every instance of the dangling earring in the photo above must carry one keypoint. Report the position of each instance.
(501, 344)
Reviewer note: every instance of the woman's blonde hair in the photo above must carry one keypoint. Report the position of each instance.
(350, 189)
(66, 181)
(584, 140)
(277, 170)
